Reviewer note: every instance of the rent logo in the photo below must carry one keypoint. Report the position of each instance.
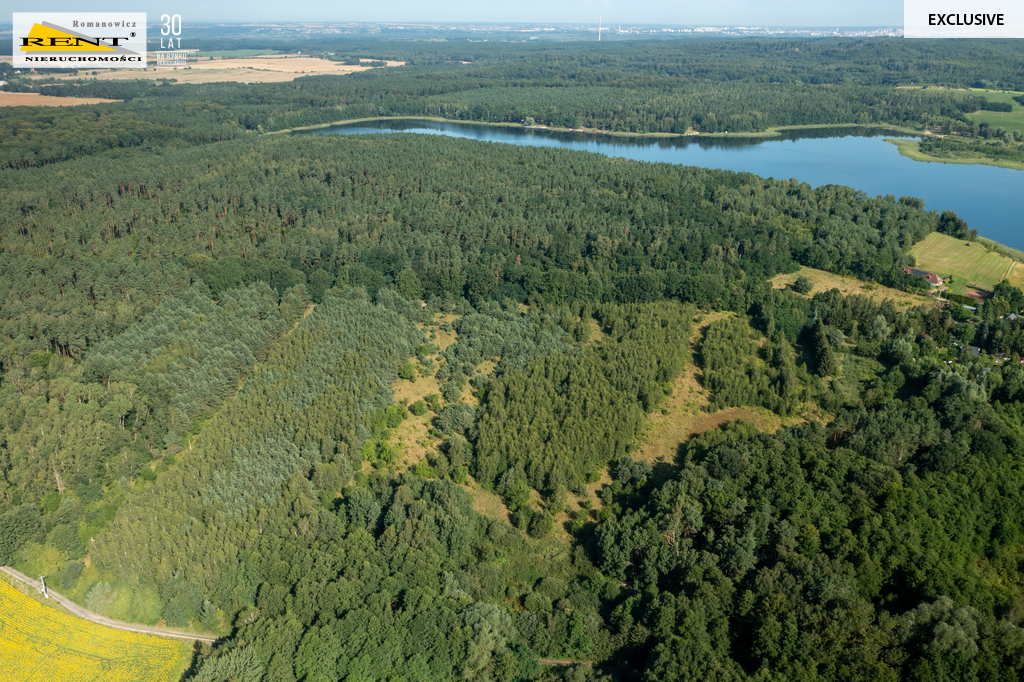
(92, 40)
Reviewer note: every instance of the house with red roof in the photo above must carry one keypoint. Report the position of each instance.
(929, 277)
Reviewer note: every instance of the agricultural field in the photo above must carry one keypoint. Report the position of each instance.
(1011, 120)
(34, 99)
(257, 69)
(974, 264)
(40, 643)
(826, 281)
(227, 54)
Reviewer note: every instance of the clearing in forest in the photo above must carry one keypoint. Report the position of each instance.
(413, 437)
(684, 413)
(1011, 120)
(39, 643)
(826, 281)
(974, 264)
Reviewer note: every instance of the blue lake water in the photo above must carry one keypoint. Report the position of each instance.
(990, 199)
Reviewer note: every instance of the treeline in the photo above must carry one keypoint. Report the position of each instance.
(708, 107)
(38, 136)
(673, 106)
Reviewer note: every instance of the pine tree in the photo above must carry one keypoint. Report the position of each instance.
(825, 359)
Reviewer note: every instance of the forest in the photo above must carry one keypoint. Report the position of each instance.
(216, 343)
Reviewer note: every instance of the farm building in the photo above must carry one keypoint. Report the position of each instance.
(930, 277)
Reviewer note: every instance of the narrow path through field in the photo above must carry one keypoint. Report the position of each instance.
(100, 620)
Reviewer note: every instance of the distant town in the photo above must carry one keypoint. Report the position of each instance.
(513, 32)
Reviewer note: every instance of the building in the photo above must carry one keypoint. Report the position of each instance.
(929, 277)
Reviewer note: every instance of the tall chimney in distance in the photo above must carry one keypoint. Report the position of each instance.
(598, 28)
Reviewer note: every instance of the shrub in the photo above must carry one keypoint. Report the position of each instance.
(70, 574)
(100, 597)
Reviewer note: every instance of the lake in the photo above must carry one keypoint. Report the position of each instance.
(988, 198)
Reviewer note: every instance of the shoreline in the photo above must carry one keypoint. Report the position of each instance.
(909, 149)
(771, 132)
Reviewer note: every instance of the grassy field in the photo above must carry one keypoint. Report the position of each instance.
(39, 643)
(1012, 120)
(826, 281)
(973, 264)
(34, 99)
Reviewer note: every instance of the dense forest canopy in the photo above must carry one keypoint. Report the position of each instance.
(429, 216)
(207, 333)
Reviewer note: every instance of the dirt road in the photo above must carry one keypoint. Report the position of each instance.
(100, 620)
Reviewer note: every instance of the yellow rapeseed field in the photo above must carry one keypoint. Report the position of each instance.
(38, 643)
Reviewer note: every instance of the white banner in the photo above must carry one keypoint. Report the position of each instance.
(963, 19)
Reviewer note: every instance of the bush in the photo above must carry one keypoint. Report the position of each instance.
(538, 603)
(407, 371)
(541, 524)
(65, 538)
(451, 392)
(70, 574)
(424, 470)
(802, 285)
(418, 408)
(457, 417)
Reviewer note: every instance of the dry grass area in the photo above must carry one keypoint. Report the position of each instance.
(413, 435)
(443, 339)
(487, 502)
(684, 413)
(826, 281)
(34, 99)
(261, 69)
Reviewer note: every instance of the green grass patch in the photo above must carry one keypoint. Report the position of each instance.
(1011, 120)
(972, 264)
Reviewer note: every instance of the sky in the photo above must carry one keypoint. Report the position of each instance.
(718, 13)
